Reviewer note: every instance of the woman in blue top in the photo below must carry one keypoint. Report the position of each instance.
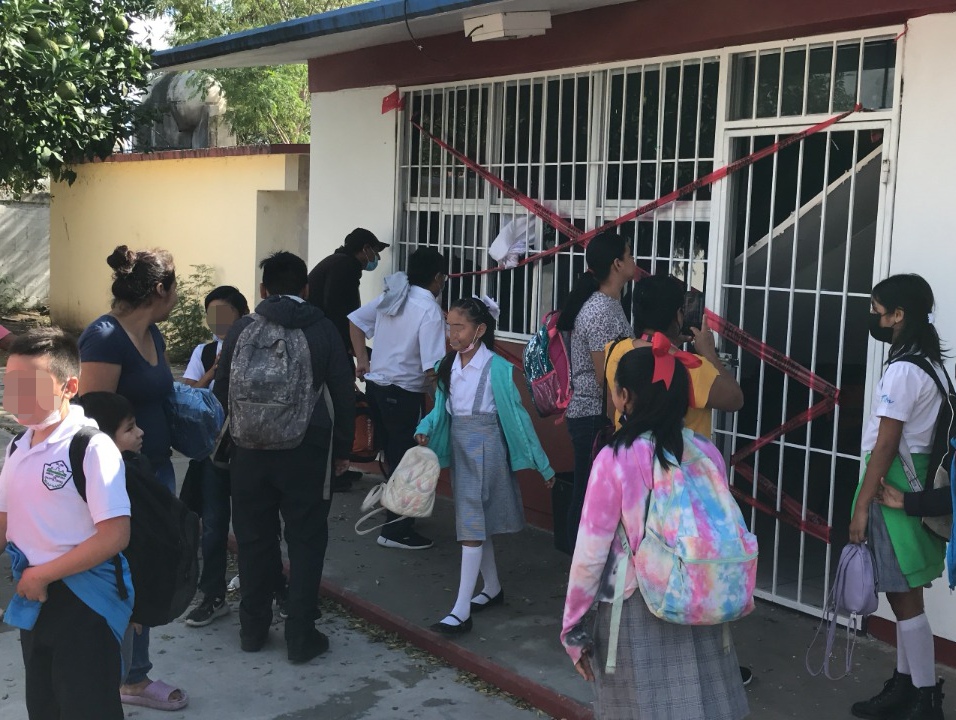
(124, 352)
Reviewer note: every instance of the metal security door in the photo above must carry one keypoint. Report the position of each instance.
(804, 228)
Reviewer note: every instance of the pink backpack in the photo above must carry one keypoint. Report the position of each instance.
(547, 369)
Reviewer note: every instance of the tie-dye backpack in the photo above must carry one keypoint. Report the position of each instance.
(697, 562)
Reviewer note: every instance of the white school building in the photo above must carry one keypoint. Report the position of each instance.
(595, 108)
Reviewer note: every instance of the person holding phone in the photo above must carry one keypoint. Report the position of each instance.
(659, 307)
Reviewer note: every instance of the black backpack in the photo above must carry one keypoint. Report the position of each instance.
(163, 543)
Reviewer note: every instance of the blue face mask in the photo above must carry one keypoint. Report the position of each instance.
(371, 264)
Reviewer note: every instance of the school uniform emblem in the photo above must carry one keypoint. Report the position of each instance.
(56, 475)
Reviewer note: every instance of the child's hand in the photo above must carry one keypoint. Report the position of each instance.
(137, 628)
(549, 483)
(341, 466)
(889, 496)
(421, 440)
(583, 666)
(33, 585)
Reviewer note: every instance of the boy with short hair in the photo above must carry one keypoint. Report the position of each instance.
(65, 549)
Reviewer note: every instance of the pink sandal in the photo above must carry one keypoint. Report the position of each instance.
(157, 696)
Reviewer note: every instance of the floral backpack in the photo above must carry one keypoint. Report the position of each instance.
(697, 562)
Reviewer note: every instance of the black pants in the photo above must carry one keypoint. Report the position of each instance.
(397, 413)
(72, 661)
(583, 431)
(266, 483)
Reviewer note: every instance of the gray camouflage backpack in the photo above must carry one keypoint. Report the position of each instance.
(271, 389)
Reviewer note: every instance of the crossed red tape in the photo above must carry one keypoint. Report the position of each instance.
(791, 512)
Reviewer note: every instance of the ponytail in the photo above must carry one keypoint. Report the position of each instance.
(914, 296)
(600, 255)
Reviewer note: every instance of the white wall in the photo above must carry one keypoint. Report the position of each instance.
(25, 246)
(924, 223)
(353, 174)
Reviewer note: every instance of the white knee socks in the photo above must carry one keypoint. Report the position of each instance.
(470, 565)
(902, 664)
(489, 574)
(917, 637)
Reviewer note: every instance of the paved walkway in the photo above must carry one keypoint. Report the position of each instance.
(515, 645)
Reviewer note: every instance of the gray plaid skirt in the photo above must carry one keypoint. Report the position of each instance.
(487, 497)
(665, 671)
(889, 576)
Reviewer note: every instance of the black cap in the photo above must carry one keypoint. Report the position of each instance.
(360, 238)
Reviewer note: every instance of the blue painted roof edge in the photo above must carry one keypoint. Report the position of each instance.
(356, 17)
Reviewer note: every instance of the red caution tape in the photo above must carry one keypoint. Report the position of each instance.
(821, 408)
(817, 530)
(772, 357)
(579, 237)
(792, 509)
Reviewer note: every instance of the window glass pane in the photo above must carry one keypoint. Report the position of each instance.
(847, 76)
(818, 81)
(794, 67)
(879, 66)
(768, 84)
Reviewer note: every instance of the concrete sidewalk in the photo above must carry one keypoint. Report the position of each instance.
(514, 646)
(360, 677)
(518, 641)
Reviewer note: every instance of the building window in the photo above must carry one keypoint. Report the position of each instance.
(591, 146)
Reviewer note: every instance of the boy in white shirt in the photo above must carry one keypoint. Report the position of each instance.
(73, 596)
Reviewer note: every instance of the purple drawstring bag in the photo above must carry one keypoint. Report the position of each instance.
(853, 595)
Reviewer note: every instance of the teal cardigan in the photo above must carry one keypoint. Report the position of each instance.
(524, 448)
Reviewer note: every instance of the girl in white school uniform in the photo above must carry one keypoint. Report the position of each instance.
(481, 430)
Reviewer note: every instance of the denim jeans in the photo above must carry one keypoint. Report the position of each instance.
(140, 664)
(583, 431)
(216, 511)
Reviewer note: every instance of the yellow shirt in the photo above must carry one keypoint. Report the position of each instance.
(698, 417)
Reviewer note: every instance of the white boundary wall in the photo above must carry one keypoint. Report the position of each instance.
(25, 246)
(353, 179)
(924, 223)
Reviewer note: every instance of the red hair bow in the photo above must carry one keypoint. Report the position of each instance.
(664, 356)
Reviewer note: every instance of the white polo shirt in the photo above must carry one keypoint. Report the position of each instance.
(46, 517)
(907, 394)
(406, 344)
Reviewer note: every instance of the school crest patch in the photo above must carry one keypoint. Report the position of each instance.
(56, 475)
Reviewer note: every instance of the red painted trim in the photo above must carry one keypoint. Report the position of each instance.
(885, 630)
(219, 152)
(643, 29)
(553, 703)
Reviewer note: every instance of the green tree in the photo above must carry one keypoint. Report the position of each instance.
(70, 78)
(264, 105)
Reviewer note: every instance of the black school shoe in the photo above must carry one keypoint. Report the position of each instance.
(926, 705)
(253, 642)
(897, 694)
(492, 601)
(301, 650)
(460, 629)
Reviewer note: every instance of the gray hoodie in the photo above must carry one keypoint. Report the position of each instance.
(330, 364)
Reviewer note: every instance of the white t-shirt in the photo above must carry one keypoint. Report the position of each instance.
(464, 385)
(195, 369)
(908, 394)
(46, 517)
(408, 343)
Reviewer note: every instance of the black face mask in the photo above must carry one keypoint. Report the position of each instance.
(877, 331)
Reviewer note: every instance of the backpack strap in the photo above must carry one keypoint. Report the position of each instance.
(78, 446)
(617, 606)
(906, 457)
(208, 355)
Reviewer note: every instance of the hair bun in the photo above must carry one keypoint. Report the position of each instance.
(122, 260)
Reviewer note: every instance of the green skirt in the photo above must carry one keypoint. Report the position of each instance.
(920, 553)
